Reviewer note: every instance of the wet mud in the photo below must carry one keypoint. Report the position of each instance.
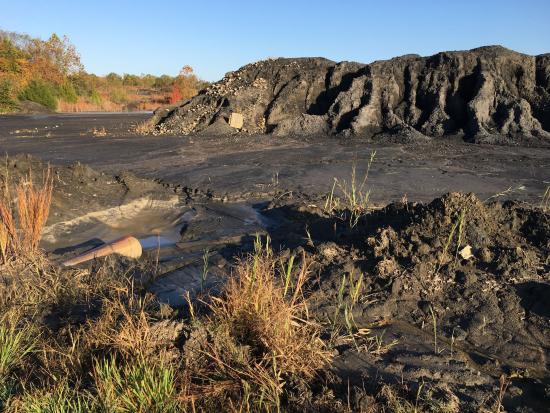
(431, 288)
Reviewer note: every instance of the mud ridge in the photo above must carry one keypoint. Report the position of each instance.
(489, 94)
(472, 274)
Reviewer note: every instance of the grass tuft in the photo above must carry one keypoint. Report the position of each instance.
(15, 344)
(258, 337)
(355, 199)
(33, 207)
(8, 233)
(62, 399)
(136, 386)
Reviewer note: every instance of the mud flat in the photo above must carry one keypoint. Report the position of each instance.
(446, 297)
(241, 167)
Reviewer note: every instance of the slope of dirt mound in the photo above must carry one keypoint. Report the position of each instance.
(460, 287)
(486, 94)
(79, 189)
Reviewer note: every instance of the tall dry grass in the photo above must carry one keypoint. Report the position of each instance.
(8, 233)
(32, 206)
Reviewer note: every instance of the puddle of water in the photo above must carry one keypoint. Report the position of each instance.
(181, 234)
(142, 218)
(157, 224)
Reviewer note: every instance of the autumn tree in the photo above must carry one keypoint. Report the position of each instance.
(186, 83)
(54, 59)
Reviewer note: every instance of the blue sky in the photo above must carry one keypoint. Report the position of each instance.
(217, 36)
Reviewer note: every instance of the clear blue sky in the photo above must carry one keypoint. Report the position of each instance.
(217, 36)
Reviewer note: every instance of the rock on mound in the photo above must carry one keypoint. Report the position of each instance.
(484, 93)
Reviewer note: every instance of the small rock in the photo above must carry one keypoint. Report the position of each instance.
(466, 252)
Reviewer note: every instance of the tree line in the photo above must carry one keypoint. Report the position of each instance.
(49, 72)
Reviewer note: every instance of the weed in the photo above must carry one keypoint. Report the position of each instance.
(8, 233)
(355, 197)
(144, 128)
(434, 325)
(287, 271)
(33, 207)
(260, 337)
(457, 227)
(425, 400)
(204, 274)
(62, 399)
(136, 386)
(15, 344)
(340, 298)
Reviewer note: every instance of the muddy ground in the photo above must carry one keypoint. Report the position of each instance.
(252, 166)
(433, 293)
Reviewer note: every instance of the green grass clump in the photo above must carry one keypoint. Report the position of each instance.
(15, 345)
(136, 386)
(61, 400)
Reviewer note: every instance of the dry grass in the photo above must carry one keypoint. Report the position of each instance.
(144, 127)
(101, 344)
(32, 206)
(99, 132)
(8, 233)
(425, 400)
(257, 339)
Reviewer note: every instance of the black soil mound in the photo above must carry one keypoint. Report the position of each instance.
(461, 288)
(488, 94)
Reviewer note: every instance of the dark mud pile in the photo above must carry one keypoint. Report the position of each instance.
(457, 308)
(489, 94)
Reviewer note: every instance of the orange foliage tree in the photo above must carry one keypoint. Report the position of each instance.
(175, 94)
(185, 86)
(54, 59)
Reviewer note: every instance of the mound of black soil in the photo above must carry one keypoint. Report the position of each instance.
(488, 94)
(463, 287)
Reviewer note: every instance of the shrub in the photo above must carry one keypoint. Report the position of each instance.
(6, 101)
(175, 95)
(67, 92)
(119, 95)
(95, 97)
(40, 92)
